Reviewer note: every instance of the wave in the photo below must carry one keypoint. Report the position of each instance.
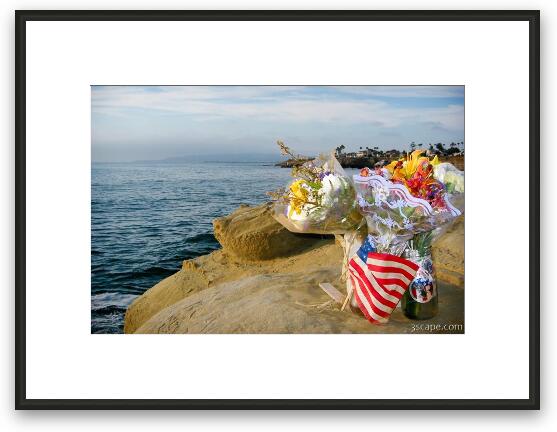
(119, 301)
(151, 271)
(207, 236)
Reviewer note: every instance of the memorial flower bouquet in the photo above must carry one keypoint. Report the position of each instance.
(405, 198)
(319, 200)
(407, 204)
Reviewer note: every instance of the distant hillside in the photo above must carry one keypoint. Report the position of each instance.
(232, 158)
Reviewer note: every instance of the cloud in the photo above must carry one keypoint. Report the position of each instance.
(282, 104)
(405, 91)
(151, 122)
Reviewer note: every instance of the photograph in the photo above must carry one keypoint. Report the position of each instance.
(299, 209)
(282, 194)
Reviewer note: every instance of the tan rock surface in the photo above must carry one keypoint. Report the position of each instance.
(287, 303)
(221, 266)
(448, 254)
(251, 234)
(246, 288)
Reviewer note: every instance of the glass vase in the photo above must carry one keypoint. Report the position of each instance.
(420, 301)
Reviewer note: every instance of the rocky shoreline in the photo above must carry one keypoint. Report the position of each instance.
(355, 162)
(362, 162)
(265, 280)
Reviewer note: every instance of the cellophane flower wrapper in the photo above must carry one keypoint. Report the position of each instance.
(396, 218)
(451, 177)
(322, 203)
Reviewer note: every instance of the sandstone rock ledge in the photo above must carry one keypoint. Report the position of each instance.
(265, 280)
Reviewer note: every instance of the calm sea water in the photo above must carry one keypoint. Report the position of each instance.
(147, 218)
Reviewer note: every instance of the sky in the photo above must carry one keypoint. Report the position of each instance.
(130, 123)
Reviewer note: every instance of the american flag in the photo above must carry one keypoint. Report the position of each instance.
(378, 281)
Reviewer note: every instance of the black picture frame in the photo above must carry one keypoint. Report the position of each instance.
(531, 16)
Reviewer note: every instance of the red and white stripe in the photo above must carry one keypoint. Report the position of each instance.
(379, 283)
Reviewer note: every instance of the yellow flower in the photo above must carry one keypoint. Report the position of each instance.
(295, 207)
(395, 173)
(298, 190)
(391, 166)
(299, 196)
(409, 165)
(412, 162)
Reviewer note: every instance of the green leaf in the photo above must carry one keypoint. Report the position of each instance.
(314, 185)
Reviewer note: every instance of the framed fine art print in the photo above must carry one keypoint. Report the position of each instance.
(277, 209)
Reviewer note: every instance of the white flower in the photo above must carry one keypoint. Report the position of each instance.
(305, 214)
(332, 186)
(456, 180)
(451, 176)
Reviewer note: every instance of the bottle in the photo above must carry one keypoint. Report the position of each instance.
(420, 301)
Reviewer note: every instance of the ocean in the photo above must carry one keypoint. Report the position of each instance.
(146, 218)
